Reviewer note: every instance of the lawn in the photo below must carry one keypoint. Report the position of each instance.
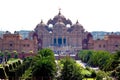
(89, 79)
(85, 72)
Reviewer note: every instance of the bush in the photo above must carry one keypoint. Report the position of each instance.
(70, 70)
(101, 59)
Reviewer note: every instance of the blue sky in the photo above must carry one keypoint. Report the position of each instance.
(94, 15)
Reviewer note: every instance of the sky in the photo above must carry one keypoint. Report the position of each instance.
(94, 15)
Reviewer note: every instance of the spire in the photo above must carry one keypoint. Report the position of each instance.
(59, 11)
(41, 21)
(77, 22)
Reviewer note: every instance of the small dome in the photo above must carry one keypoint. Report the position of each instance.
(59, 23)
(41, 23)
(69, 21)
(78, 24)
(50, 21)
(59, 16)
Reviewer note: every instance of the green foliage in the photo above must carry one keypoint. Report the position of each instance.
(101, 59)
(85, 55)
(102, 75)
(116, 65)
(46, 53)
(70, 70)
(86, 73)
(8, 56)
(104, 60)
(3, 74)
(27, 73)
(10, 69)
(16, 56)
(93, 75)
(44, 64)
(6, 68)
(1, 54)
(88, 79)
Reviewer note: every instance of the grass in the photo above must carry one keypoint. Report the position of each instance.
(89, 79)
(85, 72)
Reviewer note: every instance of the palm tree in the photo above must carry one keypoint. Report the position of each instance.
(44, 66)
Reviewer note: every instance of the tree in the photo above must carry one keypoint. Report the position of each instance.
(1, 54)
(70, 70)
(101, 59)
(116, 65)
(8, 56)
(100, 75)
(15, 54)
(44, 66)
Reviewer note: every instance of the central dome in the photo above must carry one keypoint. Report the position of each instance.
(59, 16)
(60, 23)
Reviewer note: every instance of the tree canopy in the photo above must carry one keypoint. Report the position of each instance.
(44, 66)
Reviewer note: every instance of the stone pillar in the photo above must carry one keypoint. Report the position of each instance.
(52, 40)
(56, 40)
(62, 41)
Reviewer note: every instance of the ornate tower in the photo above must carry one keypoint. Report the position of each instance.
(61, 38)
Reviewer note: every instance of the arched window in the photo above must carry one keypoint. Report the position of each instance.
(104, 46)
(11, 43)
(68, 25)
(59, 41)
(99, 46)
(50, 25)
(54, 41)
(64, 41)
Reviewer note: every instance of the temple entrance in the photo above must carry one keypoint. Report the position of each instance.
(59, 41)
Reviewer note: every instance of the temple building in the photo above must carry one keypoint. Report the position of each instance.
(61, 35)
(110, 43)
(13, 42)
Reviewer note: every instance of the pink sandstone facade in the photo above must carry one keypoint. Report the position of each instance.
(111, 43)
(14, 43)
(61, 35)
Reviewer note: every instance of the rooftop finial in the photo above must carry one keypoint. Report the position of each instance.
(59, 11)
(41, 21)
(77, 22)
